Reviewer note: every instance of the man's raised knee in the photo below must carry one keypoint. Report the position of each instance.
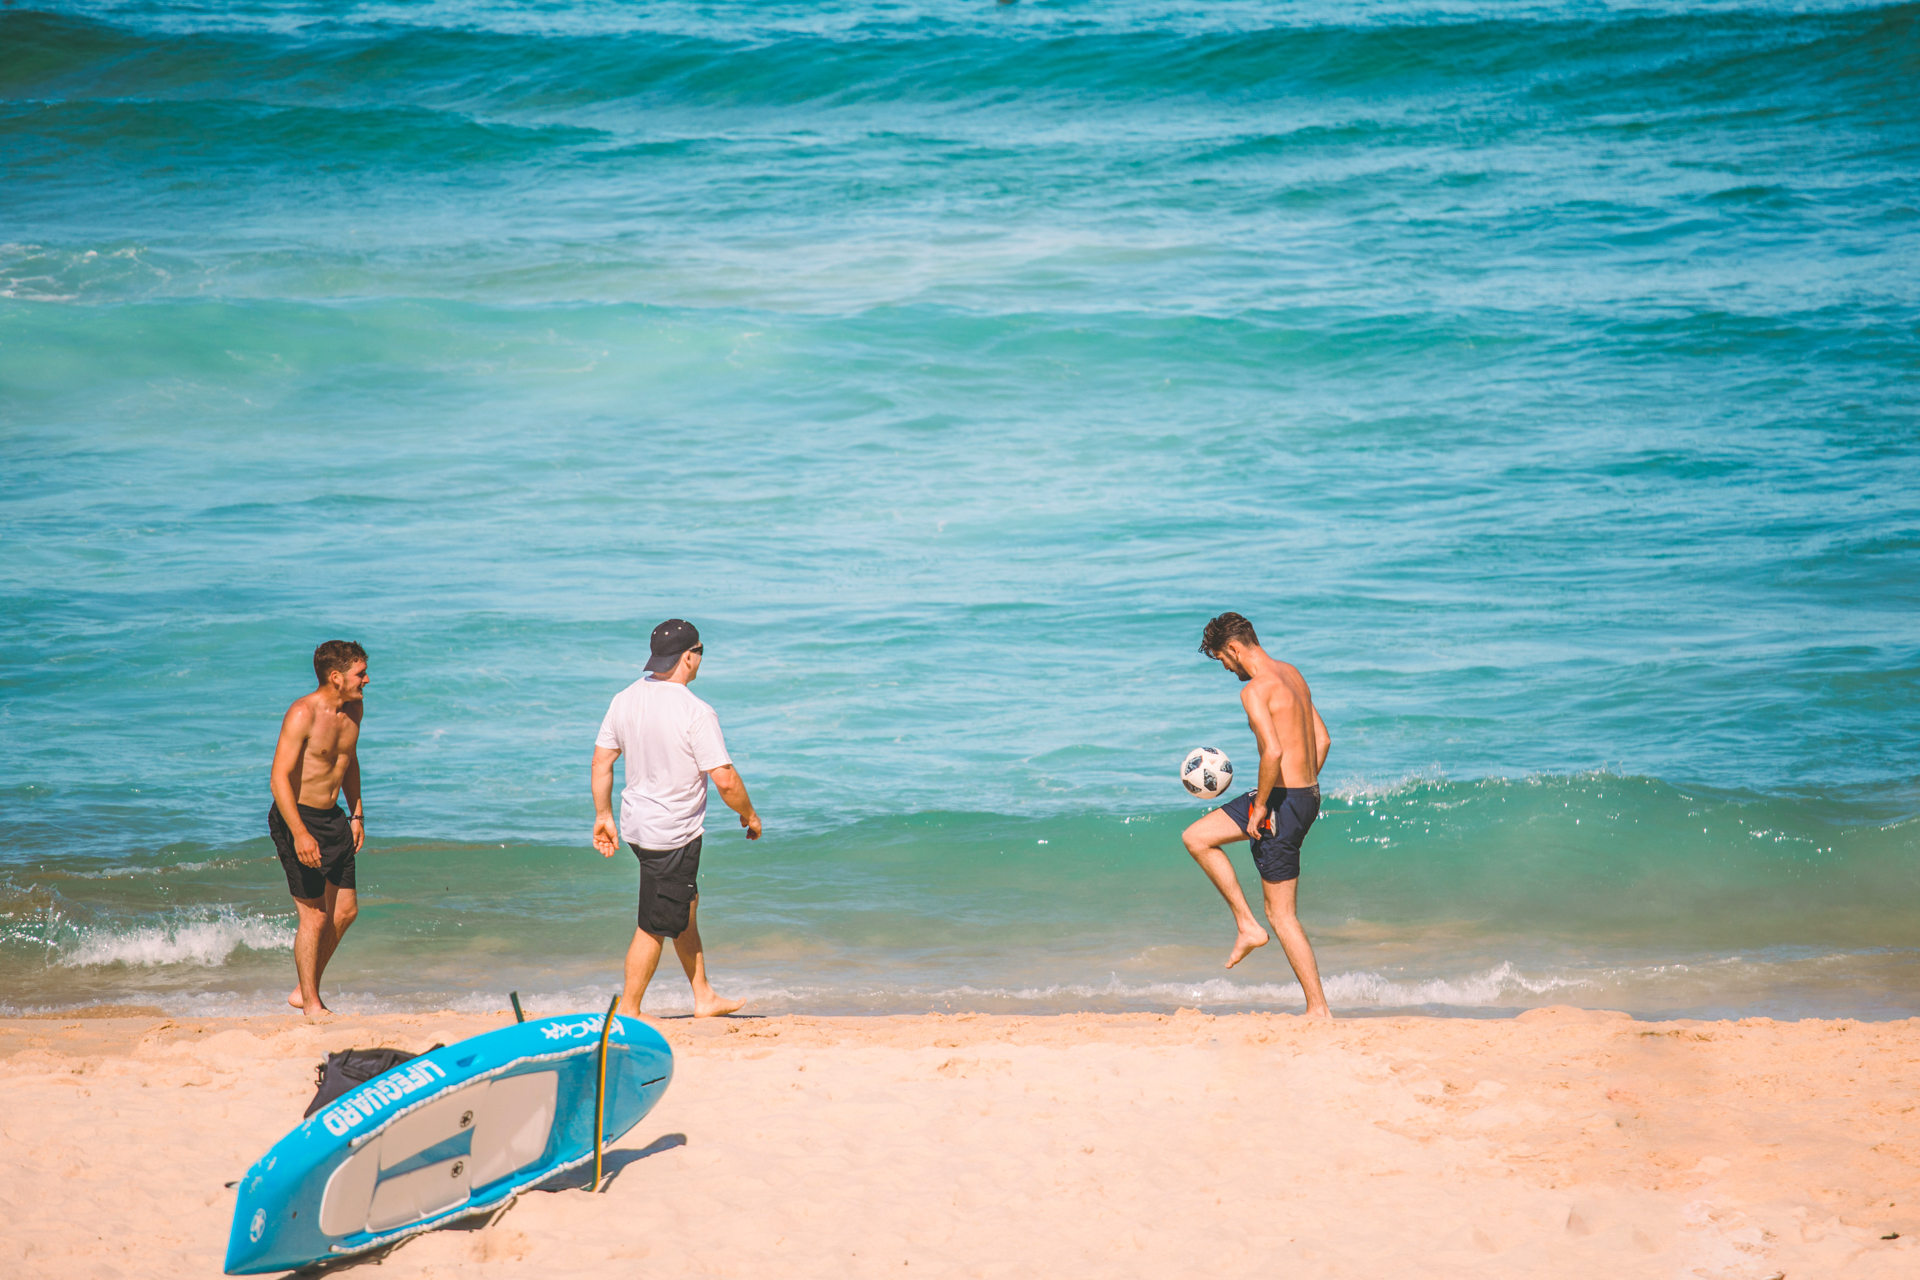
(1196, 844)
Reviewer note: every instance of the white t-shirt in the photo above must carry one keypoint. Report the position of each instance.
(671, 741)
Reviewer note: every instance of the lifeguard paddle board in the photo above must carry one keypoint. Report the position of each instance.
(458, 1130)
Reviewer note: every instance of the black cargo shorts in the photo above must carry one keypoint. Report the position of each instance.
(668, 886)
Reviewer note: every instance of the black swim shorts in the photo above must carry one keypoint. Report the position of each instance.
(335, 835)
(1291, 811)
(668, 886)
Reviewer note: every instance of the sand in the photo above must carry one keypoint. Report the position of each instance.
(1559, 1144)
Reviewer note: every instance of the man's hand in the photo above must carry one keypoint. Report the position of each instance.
(1258, 822)
(358, 825)
(734, 792)
(606, 832)
(306, 848)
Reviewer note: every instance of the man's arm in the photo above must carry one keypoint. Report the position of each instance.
(734, 792)
(606, 832)
(1260, 720)
(1322, 742)
(289, 756)
(351, 786)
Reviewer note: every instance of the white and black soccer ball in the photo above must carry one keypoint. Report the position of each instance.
(1206, 772)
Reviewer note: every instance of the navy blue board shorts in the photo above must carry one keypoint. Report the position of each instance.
(334, 834)
(1290, 810)
(669, 882)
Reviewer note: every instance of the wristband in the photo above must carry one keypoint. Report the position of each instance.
(354, 817)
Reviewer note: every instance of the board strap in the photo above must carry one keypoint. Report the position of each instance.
(600, 1092)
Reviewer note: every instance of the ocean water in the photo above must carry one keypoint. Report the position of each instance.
(1542, 378)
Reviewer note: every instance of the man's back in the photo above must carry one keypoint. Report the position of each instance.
(671, 740)
(1279, 689)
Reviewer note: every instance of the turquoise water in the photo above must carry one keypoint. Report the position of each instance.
(1542, 379)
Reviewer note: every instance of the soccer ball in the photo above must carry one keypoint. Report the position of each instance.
(1206, 772)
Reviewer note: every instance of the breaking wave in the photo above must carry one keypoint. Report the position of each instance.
(199, 942)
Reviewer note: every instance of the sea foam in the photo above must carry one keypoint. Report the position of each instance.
(201, 942)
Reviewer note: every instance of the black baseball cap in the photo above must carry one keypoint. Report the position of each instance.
(671, 639)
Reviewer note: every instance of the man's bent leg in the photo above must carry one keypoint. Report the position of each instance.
(339, 908)
(1282, 898)
(343, 908)
(706, 1002)
(306, 953)
(1204, 840)
(643, 957)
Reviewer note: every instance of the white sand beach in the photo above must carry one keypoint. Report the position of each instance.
(1562, 1143)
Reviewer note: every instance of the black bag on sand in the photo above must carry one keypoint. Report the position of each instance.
(351, 1068)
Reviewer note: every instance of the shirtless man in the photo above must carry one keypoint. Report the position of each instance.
(317, 841)
(1275, 814)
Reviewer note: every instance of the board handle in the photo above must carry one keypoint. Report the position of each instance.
(517, 1015)
(600, 1092)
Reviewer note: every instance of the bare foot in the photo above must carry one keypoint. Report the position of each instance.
(298, 1003)
(718, 1007)
(1244, 944)
(1322, 1012)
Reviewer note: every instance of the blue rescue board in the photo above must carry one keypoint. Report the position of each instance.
(456, 1131)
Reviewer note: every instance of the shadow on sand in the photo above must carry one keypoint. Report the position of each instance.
(613, 1163)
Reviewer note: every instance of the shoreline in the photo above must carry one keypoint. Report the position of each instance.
(1561, 1142)
(540, 1005)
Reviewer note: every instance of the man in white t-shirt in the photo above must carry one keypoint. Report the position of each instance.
(673, 745)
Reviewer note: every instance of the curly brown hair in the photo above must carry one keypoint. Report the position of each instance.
(1226, 627)
(336, 655)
